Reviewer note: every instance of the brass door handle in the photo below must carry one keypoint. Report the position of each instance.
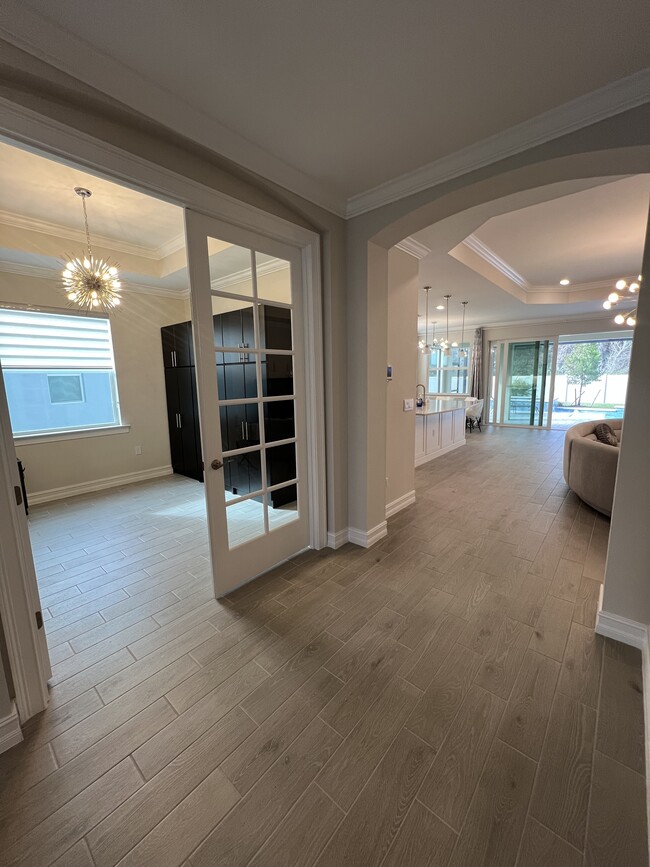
(216, 464)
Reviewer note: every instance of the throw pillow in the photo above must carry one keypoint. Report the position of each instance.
(605, 434)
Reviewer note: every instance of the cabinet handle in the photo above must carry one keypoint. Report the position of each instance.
(247, 437)
(173, 358)
(243, 435)
(178, 420)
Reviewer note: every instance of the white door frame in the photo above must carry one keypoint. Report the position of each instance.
(76, 148)
(19, 598)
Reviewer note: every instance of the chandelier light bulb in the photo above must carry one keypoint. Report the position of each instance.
(619, 320)
(607, 305)
(633, 287)
(613, 297)
(631, 321)
(621, 284)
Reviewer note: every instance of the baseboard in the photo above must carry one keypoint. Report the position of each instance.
(10, 731)
(622, 629)
(97, 485)
(367, 539)
(335, 540)
(399, 504)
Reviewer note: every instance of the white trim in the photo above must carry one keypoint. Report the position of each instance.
(645, 668)
(614, 98)
(269, 267)
(473, 243)
(400, 503)
(10, 731)
(367, 539)
(622, 629)
(413, 248)
(55, 436)
(97, 485)
(335, 540)
(424, 459)
(77, 236)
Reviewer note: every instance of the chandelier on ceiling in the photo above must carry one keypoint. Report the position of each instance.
(614, 298)
(91, 282)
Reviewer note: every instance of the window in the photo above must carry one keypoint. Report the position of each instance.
(449, 374)
(59, 371)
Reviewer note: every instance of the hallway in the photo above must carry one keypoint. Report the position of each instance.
(440, 699)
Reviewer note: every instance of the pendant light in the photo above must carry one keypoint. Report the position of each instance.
(463, 351)
(90, 282)
(425, 346)
(613, 298)
(446, 350)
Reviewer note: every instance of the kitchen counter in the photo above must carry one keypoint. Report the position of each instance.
(439, 428)
(440, 404)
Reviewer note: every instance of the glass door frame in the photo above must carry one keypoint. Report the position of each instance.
(245, 563)
(497, 401)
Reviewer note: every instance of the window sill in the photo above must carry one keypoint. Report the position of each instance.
(56, 436)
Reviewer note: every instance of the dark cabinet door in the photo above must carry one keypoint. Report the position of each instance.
(183, 344)
(275, 324)
(168, 345)
(232, 335)
(247, 327)
(175, 438)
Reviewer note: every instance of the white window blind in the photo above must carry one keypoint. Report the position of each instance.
(35, 340)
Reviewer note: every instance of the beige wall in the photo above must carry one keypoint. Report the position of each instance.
(141, 384)
(403, 356)
(627, 576)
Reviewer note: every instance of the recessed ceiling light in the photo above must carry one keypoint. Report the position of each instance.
(564, 281)
(440, 307)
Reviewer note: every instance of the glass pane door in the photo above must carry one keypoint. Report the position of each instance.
(526, 391)
(247, 306)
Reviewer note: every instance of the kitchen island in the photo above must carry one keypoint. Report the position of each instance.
(439, 428)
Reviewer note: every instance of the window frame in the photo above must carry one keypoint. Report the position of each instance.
(54, 434)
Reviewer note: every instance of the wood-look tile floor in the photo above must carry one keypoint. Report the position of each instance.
(441, 699)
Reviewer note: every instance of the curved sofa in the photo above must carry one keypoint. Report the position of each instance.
(590, 466)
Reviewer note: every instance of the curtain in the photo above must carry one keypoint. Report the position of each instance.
(476, 373)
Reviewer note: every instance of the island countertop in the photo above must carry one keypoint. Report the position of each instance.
(433, 405)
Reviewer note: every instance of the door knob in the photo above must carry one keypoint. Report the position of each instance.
(216, 464)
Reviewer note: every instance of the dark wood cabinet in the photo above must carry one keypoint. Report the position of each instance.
(237, 380)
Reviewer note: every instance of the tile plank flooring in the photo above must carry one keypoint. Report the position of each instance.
(441, 699)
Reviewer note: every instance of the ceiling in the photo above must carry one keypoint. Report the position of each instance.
(591, 232)
(334, 99)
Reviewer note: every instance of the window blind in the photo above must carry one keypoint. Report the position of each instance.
(35, 340)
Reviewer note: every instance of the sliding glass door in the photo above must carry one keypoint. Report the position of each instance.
(521, 382)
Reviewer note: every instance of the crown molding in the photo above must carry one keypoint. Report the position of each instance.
(24, 270)
(44, 227)
(168, 248)
(269, 267)
(614, 98)
(413, 248)
(477, 246)
(36, 35)
(604, 315)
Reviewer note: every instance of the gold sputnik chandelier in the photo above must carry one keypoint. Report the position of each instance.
(624, 292)
(91, 282)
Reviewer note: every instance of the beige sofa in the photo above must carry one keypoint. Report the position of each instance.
(590, 466)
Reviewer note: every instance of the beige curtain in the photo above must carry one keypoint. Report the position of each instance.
(476, 372)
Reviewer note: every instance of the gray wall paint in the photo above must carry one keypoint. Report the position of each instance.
(627, 576)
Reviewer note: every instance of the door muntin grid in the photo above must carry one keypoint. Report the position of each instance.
(255, 357)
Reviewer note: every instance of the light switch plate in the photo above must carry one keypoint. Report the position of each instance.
(409, 404)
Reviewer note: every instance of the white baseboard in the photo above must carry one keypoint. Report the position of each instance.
(399, 504)
(424, 459)
(335, 540)
(10, 731)
(367, 539)
(622, 629)
(96, 485)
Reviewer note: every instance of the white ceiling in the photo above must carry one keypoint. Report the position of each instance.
(570, 229)
(335, 98)
(595, 234)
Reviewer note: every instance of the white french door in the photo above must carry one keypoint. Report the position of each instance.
(247, 310)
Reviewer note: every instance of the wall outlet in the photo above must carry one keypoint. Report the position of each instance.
(138, 450)
(409, 403)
